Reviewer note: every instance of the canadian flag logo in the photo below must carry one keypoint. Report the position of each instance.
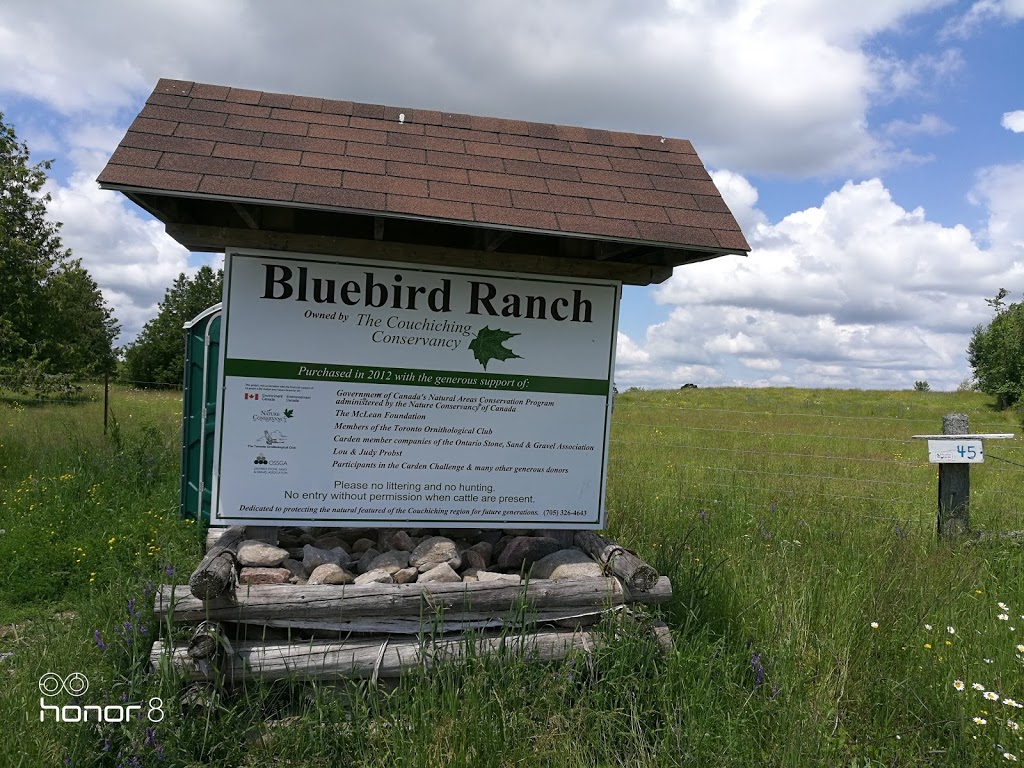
(252, 396)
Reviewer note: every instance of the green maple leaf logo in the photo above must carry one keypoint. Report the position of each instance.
(490, 345)
(288, 413)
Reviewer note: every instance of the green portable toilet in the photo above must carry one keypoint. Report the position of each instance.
(199, 411)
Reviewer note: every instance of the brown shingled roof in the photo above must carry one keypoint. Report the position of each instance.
(193, 142)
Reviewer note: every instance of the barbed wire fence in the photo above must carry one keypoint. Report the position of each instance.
(859, 466)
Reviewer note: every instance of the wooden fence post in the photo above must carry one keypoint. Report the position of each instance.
(106, 399)
(954, 484)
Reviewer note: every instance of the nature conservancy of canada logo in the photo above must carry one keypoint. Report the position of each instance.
(75, 685)
(272, 416)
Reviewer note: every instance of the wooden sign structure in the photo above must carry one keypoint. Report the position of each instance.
(485, 255)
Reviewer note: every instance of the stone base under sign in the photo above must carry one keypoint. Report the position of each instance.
(315, 602)
(390, 556)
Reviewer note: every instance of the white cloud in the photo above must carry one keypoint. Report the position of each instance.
(780, 87)
(1013, 121)
(925, 125)
(981, 12)
(857, 292)
(133, 261)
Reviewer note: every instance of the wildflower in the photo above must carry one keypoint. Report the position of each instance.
(874, 625)
(1003, 617)
(1002, 606)
(987, 661)
(1010, 756)
(1020, 648)
(978, 686)
(928, 646)
(980, 721)
(755, 664)
(951, 630)
(928, 627)
(958, 684)
(99, 640)
(1009, 702)
(991, 695)
(1013, 725)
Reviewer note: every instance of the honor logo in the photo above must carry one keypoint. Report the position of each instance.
(77, 684)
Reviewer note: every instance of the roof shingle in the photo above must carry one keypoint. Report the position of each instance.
(276, 148)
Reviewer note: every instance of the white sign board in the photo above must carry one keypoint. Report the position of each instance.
(956, 452)
(357, 393)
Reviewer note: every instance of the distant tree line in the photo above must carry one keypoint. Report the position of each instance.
(157, 356)
(55, 326)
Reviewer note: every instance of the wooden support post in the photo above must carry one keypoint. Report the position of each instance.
(106, 399)
(954, 484)
(215, 574)
(634, 572)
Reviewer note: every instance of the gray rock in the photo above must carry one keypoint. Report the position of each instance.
(498, 547)
(486, 549)
(329, 573)
(567, 564)
(363, 565)
(375, 577)
(331, 541)
(434, 551)
(470, 575)
(399, 540)
(314, 556)
(361, 545)
(405, 576)
(490, 535)
(439, 573)
(392, 561)
(473, 559)
(295, 568)
(256, 575)
(524, 551)
(511, 578)
(260, 554)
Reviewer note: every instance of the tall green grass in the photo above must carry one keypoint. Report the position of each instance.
(790, 522)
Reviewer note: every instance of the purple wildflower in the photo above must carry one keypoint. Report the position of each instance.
(703, 515)
(150, 739)
(170, 571)
(131, 609)
(99, 640)
(755, 664)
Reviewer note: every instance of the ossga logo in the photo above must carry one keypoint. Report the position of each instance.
(77, 684)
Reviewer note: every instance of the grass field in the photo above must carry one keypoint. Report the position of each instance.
(817, 619)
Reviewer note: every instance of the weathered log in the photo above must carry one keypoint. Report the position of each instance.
(385, 658)
(216, 574)
(205, 641)
(634, 572)
(213, 534)
(567, 616)
(410, 608)
(258, 603)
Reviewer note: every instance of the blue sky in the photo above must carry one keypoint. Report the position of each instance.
(873, 151)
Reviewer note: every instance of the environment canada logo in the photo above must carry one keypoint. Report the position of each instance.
(75, 685)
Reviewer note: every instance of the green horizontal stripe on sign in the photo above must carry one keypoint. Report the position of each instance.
(413, 377)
